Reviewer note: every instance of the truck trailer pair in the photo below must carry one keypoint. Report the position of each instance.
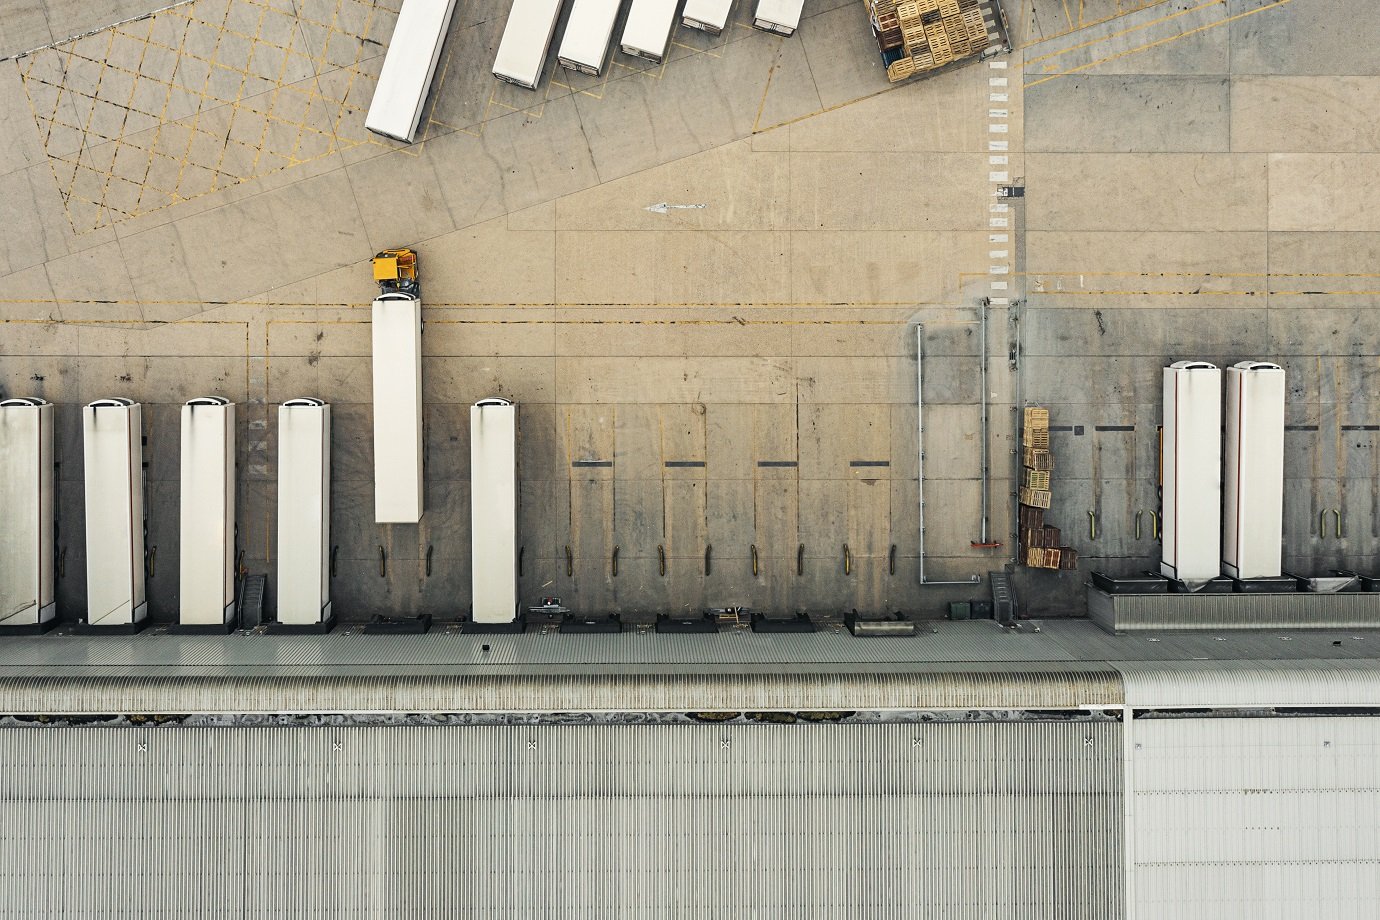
(1222, 515)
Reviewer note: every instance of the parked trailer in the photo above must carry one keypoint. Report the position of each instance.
(493, 510)
(707, 15)
(1253, 481)
(26, 495)
(1192, 460)
(648, 29)
(397, 360)
(780, 16)
(588, 31)
(207, 515)
(408, 68)
(304, 512)
(526, 39)
(113, 452)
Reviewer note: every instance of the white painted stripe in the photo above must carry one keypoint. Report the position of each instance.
(997, 237)
(999, 301)
(998, 113)
(996, 145)
(997, 81)
(997, 222)
(999, 285)
(998, 254)
(1000, 207)
(999, 160)
(999, 176)
(997, 65)
(997, 128)
(997, 97)
(999, 269)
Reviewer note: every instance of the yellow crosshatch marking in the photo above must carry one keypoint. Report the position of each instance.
(201, 96)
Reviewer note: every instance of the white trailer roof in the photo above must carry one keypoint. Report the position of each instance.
(709, 12)
(587, 32)
(408, 68)
(648, 28)
(526, 39)
(781, 12)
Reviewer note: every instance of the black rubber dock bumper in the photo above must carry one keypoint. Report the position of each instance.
(573, 623)
(800, 623)
(665, 623)
(398, 625)
(516, 627)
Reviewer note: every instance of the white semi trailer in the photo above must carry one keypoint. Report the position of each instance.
(706, 15)
(1253, 474)
(526, 40)
(397, 367)
(408, 68)
(780, 16)
(588, 31)
(1192, 458)
(304, 512)
(27, 495)
(647, 30)
(206, 587)
(493, 510)
(113, 451)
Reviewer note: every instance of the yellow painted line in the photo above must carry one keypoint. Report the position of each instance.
(761, 106)
(1128, 31)
(1163, 41)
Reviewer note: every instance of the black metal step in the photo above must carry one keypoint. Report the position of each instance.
(252, 601)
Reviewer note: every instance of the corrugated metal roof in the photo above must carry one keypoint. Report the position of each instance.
(1256, 818)
(1250, 684)
(925, 820)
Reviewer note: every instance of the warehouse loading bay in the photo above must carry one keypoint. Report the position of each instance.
(896, 460)
(722, 289)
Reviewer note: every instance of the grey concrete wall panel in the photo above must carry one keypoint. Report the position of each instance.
(915, 820)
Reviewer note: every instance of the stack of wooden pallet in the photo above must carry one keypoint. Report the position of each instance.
(932, 33)
(1040, 543)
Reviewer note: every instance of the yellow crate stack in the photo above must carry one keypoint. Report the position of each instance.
(933, 32)
(1039, 541)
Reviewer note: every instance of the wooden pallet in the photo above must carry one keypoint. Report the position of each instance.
(900, 69)
(1035, 498)
(1036, 459)
(1037, 479)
